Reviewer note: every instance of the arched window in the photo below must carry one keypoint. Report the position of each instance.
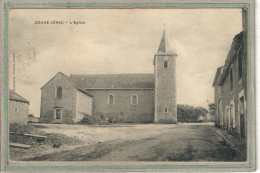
(59, 93)
(111, 100)
(134, 100)
(165, 65)
(165, 110)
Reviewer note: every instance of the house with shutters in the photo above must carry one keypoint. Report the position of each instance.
(230, 87)
(137, 98)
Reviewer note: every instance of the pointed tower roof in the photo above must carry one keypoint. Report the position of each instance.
(164, 47)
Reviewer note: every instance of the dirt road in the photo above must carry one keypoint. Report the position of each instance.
(190, 142)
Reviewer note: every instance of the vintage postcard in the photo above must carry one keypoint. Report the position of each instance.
(127, 86)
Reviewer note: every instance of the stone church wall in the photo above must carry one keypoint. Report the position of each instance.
(123, 110)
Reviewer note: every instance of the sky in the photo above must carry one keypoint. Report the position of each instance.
(116, 41)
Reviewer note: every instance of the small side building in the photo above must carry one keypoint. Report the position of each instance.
(18, 108)
(64, 101)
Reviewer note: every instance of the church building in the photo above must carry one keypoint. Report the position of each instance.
(130, 98)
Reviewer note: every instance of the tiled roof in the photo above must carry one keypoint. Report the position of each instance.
(218, 74)
(76, 85)
(236, 44)
(16, 97)
(114, 81)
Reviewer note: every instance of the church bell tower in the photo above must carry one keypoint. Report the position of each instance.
(165, 108)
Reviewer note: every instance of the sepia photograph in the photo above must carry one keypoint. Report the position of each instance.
(134, 85)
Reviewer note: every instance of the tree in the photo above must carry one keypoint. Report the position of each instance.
(189, 113)
(212, 109)
(180, 113)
